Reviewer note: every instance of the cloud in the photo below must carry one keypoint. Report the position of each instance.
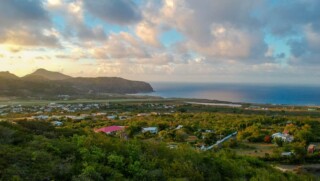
(121, 46)
(75, 28)
(287, 18)
(218, 30)
(306, 50)
(220, 38)
(148, 33)
(24, 23)
(121, 12)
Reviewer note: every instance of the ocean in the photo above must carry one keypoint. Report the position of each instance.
(249, 93)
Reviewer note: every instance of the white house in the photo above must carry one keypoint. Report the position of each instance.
(284, 137)
(179, 127)
(57, 123)
(153, 130)
(112, 117)
(285, 154)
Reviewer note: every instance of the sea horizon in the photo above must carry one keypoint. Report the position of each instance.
(261, 93)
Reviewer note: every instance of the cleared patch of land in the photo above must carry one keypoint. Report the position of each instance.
(255, 149)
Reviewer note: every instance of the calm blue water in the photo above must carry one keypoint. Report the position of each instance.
(251, 93)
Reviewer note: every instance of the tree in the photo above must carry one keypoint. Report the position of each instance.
(278, 141)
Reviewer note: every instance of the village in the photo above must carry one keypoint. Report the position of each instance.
(277, 139)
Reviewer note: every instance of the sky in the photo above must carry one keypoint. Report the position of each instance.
(243, 41)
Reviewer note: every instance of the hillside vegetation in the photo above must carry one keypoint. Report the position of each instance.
(32, 150)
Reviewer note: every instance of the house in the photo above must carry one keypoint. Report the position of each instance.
(209, 131)
(112, 117)
(143, 114)
(286, 154)
(41, 117)
(172, 145)
(110, 129)
(284, 136)
(313, 147)
(99, 114)
(153, 130)
(76, 118)
(57, 123)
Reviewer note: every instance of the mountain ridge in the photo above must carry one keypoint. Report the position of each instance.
(47, 83)
(49, 75)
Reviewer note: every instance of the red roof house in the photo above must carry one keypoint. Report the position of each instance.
(110, 129)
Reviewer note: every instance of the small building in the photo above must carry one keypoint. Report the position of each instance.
(41, 117)
(209, 131)
(313, 147)
(110, 129)
(179, 127)
(286, 154)
(153, 130)
(285, 137)
(99, 114)
(112, 117)
(57, 123)
(143, 114)
(76, 118)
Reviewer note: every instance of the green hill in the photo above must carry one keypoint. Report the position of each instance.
(48, 75)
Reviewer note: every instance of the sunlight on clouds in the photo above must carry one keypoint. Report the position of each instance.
(148, 33)
(170, 3)
(54, 2)
(126, 38)
(76, 8)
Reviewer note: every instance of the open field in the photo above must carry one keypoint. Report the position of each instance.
(308, 168)
(256, 149)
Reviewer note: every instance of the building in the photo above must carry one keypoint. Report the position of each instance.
(57, 123)
(153, 130)
(313, 147)
(41, 117)
(110, 129)
(112, 117)
(284, 136)
(179, 127)
(286, 154)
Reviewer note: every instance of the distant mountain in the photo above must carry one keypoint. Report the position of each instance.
(47, 83)
(48, 75)
(8, 75)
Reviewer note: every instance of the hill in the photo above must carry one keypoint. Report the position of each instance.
(48, 75)
(47, 83)
(8, 75)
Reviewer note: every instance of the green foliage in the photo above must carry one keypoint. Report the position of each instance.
(38, 151)
(278, 141)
